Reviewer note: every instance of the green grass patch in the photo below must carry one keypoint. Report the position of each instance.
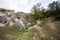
(18, 34)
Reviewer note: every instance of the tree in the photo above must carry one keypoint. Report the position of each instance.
(52, 6)
(35, 11)
(54, 9)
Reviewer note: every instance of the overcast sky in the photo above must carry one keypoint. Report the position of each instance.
(22, 5)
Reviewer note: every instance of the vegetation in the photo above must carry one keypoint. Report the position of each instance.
(3, 10)
(39, 13)
(51, 13)
(7, 33)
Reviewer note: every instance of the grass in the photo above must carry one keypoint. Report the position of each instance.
(23, 35)
(17, 34)
(10, 30)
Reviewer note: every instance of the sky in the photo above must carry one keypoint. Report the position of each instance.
(23, 5)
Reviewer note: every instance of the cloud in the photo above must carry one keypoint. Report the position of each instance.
(18, 5)
(54, 0)
(22, 5)
(23, 2)
(9, 4)
(27, 5)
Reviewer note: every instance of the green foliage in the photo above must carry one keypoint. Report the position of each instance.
(17, 34)
(3, 10)
(52, 6)
(54, 10)
(38, 14)
(41, 13)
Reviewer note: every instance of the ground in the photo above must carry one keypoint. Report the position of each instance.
(34, 33)
(10, 33)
